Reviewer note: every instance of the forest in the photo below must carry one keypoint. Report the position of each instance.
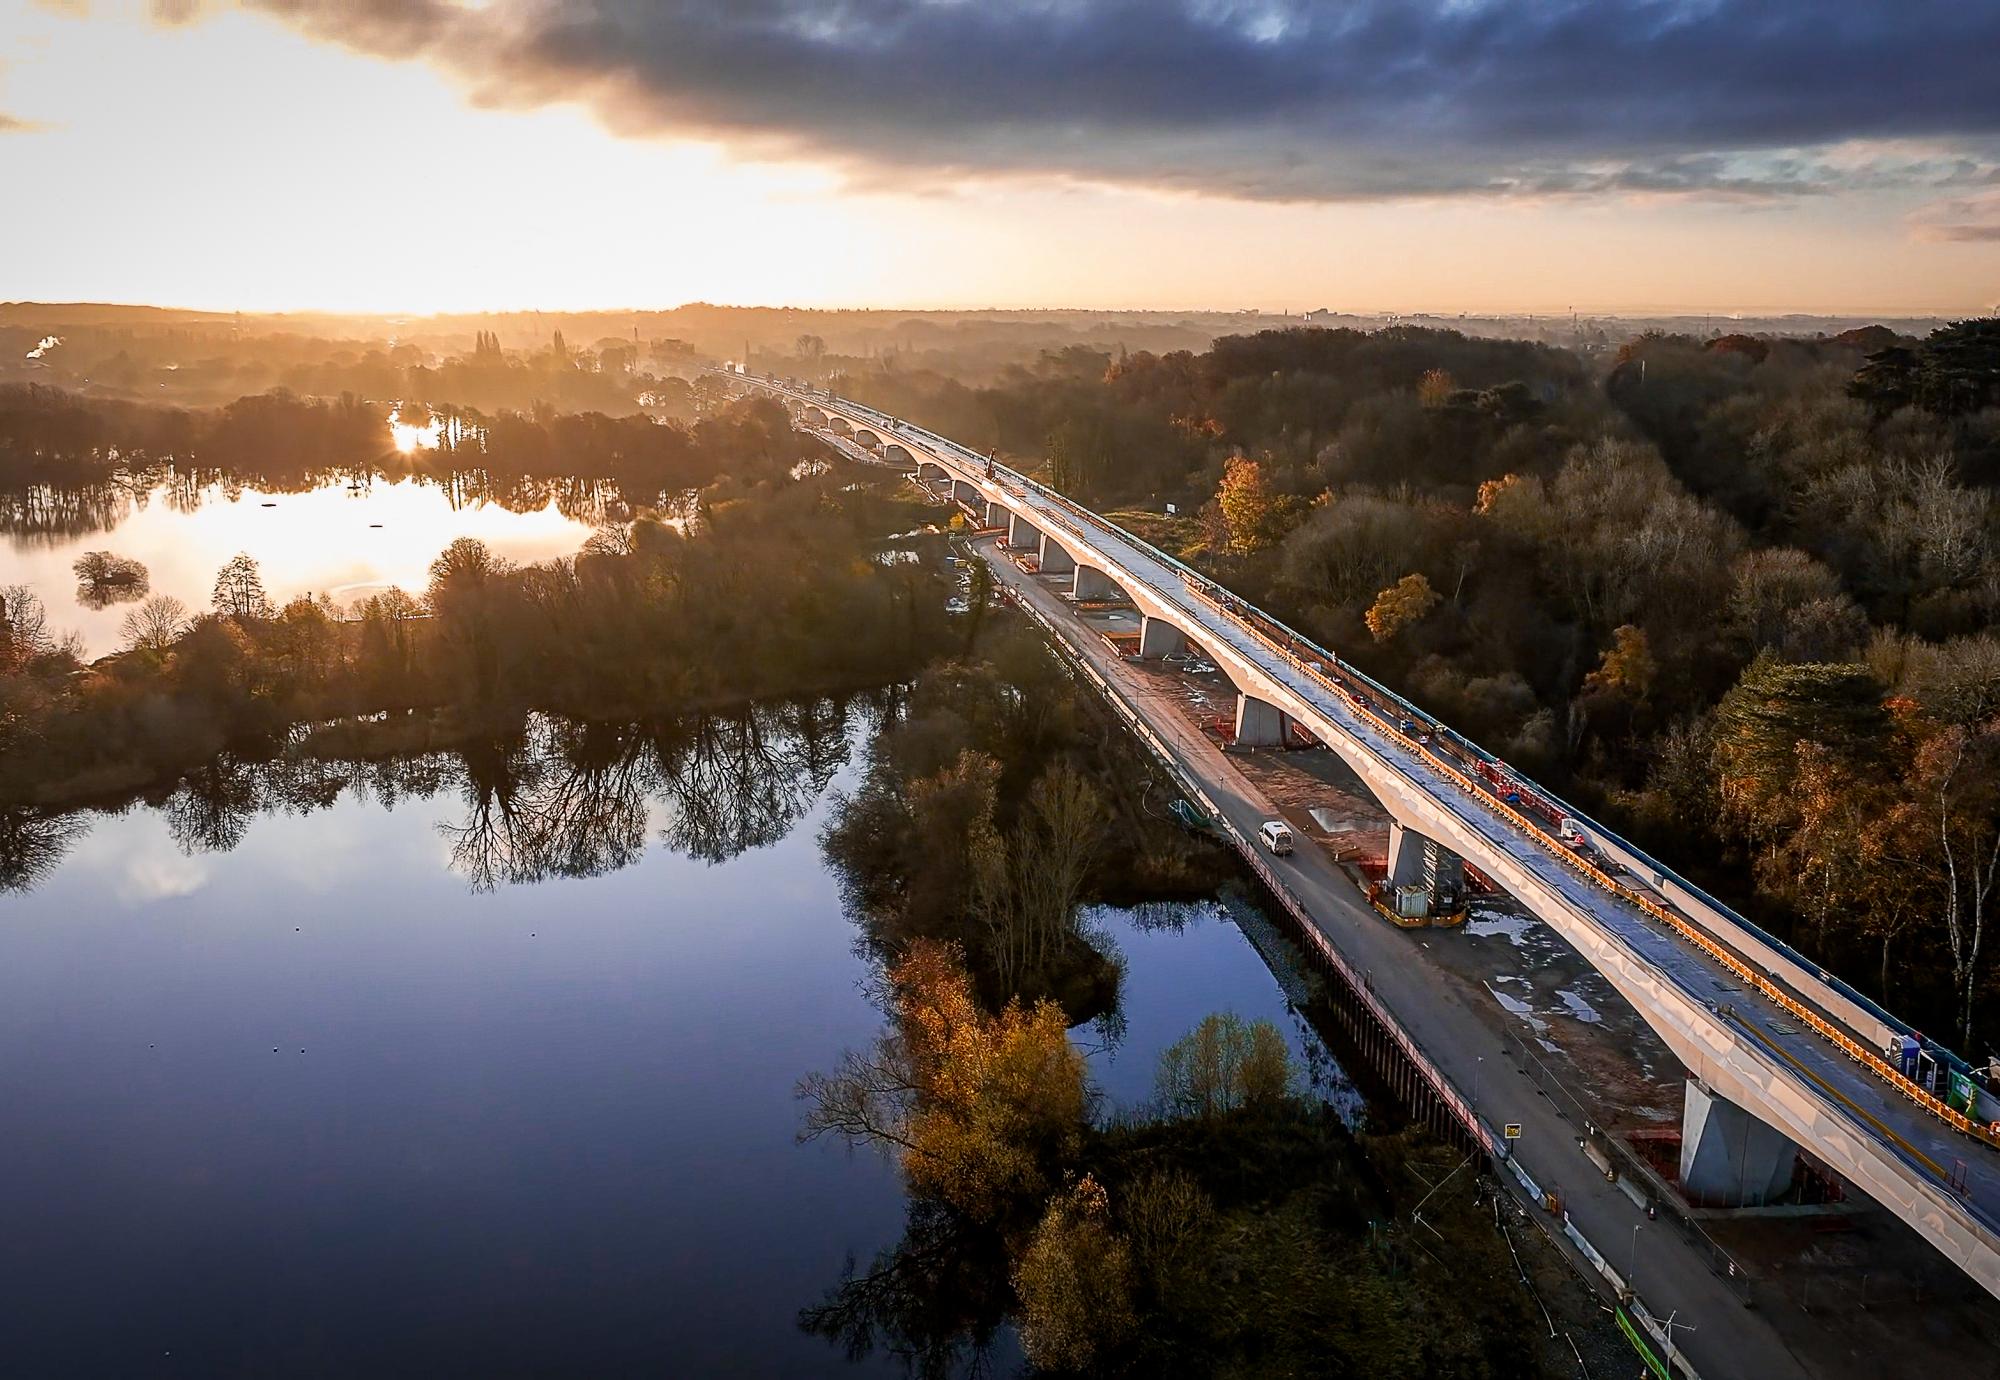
(1737, 594)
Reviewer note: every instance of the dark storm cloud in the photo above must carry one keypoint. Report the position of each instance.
(1257, 98)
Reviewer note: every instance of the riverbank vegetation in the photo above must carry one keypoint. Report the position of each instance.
(1739, 594)
(754, 592)
(1000, 800)
(1233, 1227)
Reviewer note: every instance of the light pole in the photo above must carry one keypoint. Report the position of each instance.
(1632, 1268)
(1478, 1067)
(1668, 1327)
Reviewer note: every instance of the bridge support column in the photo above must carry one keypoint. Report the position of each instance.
(996, 514)
(1092, 583)
(1728, 1157)
(1418, 861)
(1158, 638)
(1021, 532)
(1055, 560)
(964, 492)
(1259, 724)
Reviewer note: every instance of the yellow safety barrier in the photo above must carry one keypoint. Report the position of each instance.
(1700, 938)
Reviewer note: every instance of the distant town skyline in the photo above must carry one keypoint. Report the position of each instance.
(1622, 158)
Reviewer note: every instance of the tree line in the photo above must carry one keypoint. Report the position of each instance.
(1593, 565)
(287, 441)
(755, 591)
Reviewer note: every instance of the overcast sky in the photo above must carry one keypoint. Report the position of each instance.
(1811, 155)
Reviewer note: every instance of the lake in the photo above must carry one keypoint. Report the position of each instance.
(477, 1065)
(345, 541)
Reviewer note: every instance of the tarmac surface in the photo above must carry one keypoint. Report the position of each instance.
(1507, 1010)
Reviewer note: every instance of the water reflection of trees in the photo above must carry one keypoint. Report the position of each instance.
(46, 515)
(936, 1301)
(32, 842)
(738, 782)
(575, 799)
(53, 515)
(552, 798)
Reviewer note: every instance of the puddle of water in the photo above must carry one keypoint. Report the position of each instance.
(1579, 1008)
(1489, 923)
(1515, 1006)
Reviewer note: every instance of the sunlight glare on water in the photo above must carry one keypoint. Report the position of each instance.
(335, 540)
(410, 437)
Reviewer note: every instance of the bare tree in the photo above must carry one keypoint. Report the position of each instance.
(239, 589)
(24, 627)
(154, 626)
(1968, 837)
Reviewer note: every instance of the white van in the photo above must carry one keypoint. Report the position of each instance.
(1277, 836)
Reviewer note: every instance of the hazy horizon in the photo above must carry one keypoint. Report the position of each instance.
(1635, 311)
(300, 156)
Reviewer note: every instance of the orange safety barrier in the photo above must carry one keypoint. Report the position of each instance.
(1700, 938)
(1240, 614)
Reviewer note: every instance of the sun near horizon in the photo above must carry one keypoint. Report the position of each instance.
(295, 158)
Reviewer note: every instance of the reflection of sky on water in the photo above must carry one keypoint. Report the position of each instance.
(313, 1106)
(548, 1127)
(1175, 975)
(320, 542)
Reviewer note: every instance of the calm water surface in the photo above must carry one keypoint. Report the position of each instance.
(313, 1106)
(335, 540)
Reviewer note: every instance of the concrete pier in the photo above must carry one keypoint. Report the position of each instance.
(1158, 638)
(1021, 533)
(1055, 560)
(1092, 583)
(1728, 1157)
(1415, 860)
(1259, 724)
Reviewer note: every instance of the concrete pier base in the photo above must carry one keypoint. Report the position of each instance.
(1259, 724)
(1092, 583)
(1158, 638)
(1406, 856)
(1415, 860)
(1728, 1157)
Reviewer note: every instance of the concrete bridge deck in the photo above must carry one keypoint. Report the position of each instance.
(1674, 1274)
(1757, 1050)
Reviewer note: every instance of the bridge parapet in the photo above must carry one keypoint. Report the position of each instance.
(1852, 1014)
